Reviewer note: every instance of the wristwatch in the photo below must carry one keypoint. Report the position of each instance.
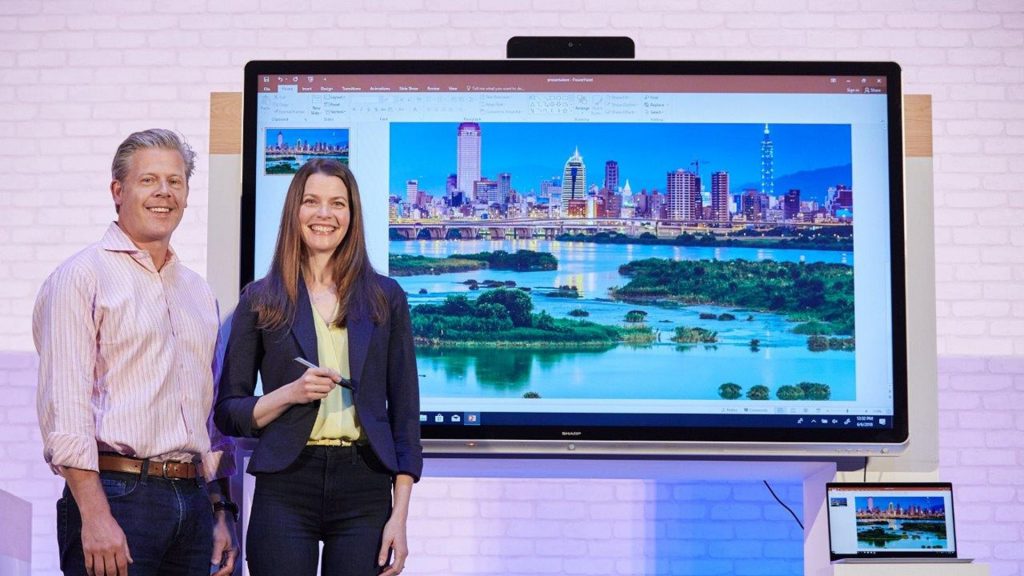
(227, 505)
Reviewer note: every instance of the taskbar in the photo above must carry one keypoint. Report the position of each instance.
(824, 421)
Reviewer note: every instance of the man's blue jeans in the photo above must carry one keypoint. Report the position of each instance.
(168, 525)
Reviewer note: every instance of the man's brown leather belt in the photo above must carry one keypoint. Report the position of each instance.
(171, 470)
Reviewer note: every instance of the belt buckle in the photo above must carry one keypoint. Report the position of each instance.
(163, 469)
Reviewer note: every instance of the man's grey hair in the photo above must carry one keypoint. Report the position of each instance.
(152, 138)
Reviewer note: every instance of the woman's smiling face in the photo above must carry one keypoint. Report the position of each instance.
(324, 214)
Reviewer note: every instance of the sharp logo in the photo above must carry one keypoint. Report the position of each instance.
(572, 433)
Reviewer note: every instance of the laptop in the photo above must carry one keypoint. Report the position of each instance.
(891, 522)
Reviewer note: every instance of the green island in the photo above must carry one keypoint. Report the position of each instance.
(688, 335)
(878, 536)
(801, 391)
(818, 295)
(407, 265)
(504, 318)
(819, 343)
(564, 291)
(766, 236)
(724, 316)
(281, 168)
(520, 261)
(934, 527)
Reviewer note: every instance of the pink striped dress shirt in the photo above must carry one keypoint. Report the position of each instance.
(126, 360)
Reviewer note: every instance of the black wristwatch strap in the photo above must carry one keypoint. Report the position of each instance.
(227, 505)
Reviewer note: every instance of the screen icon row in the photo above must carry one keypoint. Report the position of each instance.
(463, 418)
(850, 421)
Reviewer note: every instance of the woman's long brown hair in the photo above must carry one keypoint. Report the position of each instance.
(275, 298)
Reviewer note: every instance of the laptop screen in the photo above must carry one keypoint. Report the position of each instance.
(890, 520)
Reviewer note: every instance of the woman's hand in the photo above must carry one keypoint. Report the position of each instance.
(314, 384)
(394, 540)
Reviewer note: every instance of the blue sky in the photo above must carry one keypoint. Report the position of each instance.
(928, 503)
(532, 152)
(333, 136)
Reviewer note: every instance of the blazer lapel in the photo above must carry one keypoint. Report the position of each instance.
(303, 328)
(360, 329)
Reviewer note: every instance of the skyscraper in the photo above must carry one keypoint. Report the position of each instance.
(574, 187)
(656, 205)
(752, 206)
(451, 190)
(839, 202)
(504, 187)
(613, 206)
(643, 207)
(682, 196)
(611, 176)
(468, 158)
(485, 190)
(412, 192)
(628, 202)
(720, 196)
(767, 164)
(551, 188)
(791, 204)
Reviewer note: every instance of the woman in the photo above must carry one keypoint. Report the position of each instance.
(339, 445)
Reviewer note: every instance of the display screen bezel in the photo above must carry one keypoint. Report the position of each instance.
(632, 437)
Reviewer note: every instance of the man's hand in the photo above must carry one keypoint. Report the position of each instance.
(394, 540)
(225, 546)
(103, 542)
(104, 545)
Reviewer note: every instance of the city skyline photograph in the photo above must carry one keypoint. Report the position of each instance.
(287, 149)
(560, 311)
(930, 504)
(645, 153)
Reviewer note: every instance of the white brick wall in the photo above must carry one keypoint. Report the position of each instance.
(77, 76)
(981, 440)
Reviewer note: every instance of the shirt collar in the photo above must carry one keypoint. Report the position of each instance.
(115, 240)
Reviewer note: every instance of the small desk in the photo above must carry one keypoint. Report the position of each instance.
(15, 535)
(922, 569)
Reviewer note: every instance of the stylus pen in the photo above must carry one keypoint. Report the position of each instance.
(344, 381)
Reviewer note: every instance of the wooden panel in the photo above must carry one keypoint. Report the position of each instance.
(225, 123)
(917, 123)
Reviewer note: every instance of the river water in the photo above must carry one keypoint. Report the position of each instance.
(662, 370)
(910, 537)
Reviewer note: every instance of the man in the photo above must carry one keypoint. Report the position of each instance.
(126, 337)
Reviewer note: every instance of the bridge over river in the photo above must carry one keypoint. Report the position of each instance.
(525, 228)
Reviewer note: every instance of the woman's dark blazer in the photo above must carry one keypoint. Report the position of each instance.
(385, 387)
